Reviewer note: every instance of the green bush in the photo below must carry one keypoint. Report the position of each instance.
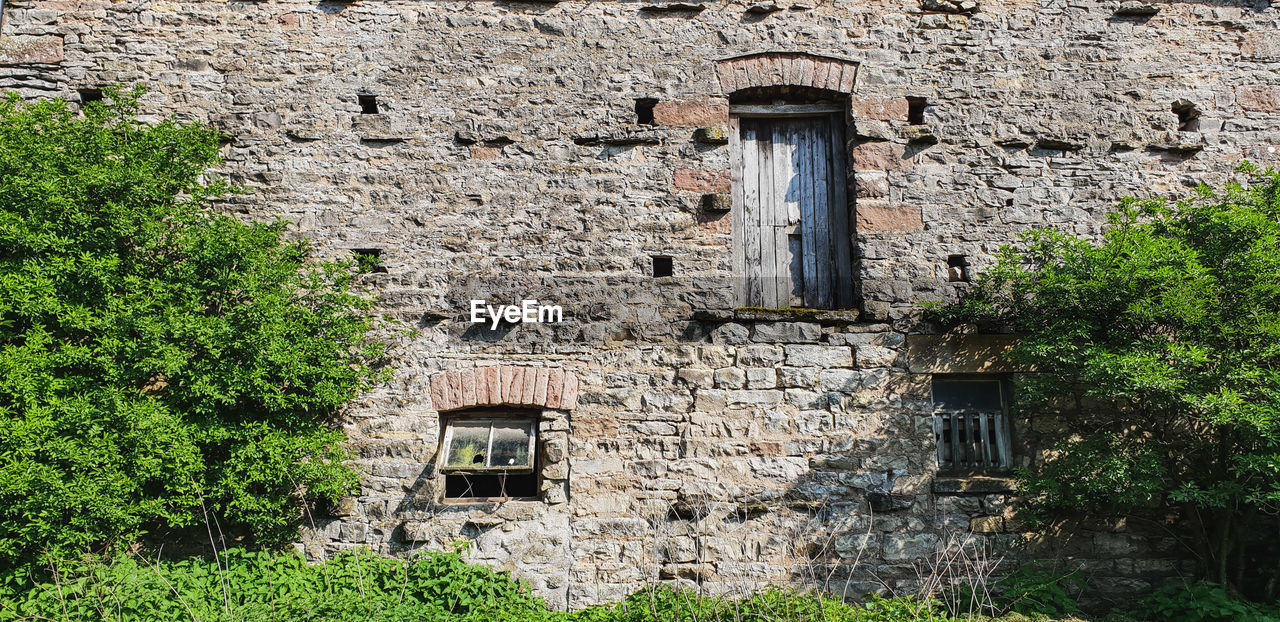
(364, 587)
(1034, 588)
(240, 585)
(1202, 602)
(160, 365)
(1162, 338)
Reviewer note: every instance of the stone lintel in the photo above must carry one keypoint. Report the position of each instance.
(960, 354)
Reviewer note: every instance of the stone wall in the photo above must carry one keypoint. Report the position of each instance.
(506, 161)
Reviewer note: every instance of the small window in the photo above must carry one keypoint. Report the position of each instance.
(644, 110)
(88, 96)
(368, 103)
(662, 266)
(915, 110)
(957, 268)
(490, 457)
(369, 259)
(971, 423)
(1188, 116)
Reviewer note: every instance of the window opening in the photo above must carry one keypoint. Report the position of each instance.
(957, 268)
(370, 258)
(915, 110)
(971, 424)
(490, 457)
(662, 266)
(368, 103)
(88, 96)
(644, 110)
(1188, 116)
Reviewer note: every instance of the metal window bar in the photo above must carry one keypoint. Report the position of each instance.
(972, 440)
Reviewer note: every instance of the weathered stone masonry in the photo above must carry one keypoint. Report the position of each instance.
(680, 438)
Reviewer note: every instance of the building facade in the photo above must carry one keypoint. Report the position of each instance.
(737, 208)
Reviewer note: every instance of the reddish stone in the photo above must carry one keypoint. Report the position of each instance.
(696, 113)
(530, 383)
(698, 180)
(715, 225)
(493, 383)
(882, 217)
(1260, 46)
(468, 383)
(509, 379)
(540, 387)
(439, 393)
(482, 388)
(882, 108)
(821, 76)
(555, 388)
(880, 157)
(570, 398)
(485, 153)
(870, 185)
(1259, 98)
(453, 384)
(848, 78)
(504, 384)
(26, 50)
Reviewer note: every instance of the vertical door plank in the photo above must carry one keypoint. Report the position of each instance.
(751, 190)
(821, 137)
(840, 229)
(787, 176)
(1002, 440)
(957, 450)
(984, 438)
(937, 439)
(808, 220)
(737, 223)
(975, 451)
(768, 207)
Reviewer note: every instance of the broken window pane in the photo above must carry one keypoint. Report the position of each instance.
(490, 458)
(510, 444)
(469, 445)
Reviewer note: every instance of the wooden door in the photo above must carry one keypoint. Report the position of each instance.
(791, 222)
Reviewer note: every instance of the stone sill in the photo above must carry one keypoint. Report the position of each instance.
(754, 314)
(961, 484)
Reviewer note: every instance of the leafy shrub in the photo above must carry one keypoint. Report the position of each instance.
(1202, 602)
(1034, 588)
(364, 587)
(240, 585)
(159, 363)
(1162, 337)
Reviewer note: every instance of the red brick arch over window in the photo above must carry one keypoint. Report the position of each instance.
(505, 385)
(786, 69)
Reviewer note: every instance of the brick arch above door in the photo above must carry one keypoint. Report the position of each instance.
(766, 69)
(504, 385)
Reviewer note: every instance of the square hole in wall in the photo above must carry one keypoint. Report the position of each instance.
(370, 258)
(88, 96)
(957, 268)
(915, 110)
(662, 266)
(1188, 116)
(644, 110)
(368, 103)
